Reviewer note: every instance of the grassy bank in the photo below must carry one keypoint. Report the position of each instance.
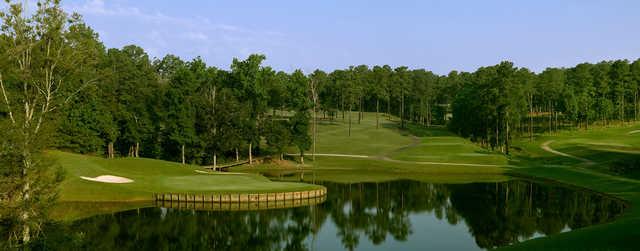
(597, 150)
(153, 176)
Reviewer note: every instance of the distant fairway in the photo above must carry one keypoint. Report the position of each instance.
(388, 153)
(153, 176)
(595, 150)
(419, 144)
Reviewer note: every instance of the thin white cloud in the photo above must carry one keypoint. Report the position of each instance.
(160, 33)
(198, 36)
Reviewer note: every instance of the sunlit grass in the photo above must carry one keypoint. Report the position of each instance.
(153, 176)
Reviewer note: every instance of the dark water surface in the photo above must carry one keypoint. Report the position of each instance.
(397, 215)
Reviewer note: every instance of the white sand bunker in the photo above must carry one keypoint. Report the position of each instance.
(108, 179)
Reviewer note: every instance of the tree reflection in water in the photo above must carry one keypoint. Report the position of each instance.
(495, 214)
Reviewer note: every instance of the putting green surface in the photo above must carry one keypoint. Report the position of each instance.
(153, 176)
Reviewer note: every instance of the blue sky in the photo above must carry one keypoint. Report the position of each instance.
(436, 35)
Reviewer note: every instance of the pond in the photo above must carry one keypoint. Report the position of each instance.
(397, 215)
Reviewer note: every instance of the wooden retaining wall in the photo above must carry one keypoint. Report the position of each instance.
(249, 201)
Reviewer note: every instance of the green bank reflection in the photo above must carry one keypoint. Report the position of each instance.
(408, 215)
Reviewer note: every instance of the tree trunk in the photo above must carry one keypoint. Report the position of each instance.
(315, 128)
(26, 164)
(301, 158)
(215, 161)
(137, 149)
(402, 110)
(506, 138)
(342, 104)
(110, 151)
(635, 105)
(556, 123)
(622, 113)
(530, 118)
(389, 109)
(237, 155)
(359, 109)
(250, 154)
(184, 161)
(497, 132)
(377, 113)
(428, 114)
(350, 108)
(550, 110)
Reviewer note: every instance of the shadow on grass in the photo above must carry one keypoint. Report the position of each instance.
(606, 162)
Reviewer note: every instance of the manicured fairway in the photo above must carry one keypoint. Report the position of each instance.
(388, 153)
(365, 139)
(600, 146)
(153, 176)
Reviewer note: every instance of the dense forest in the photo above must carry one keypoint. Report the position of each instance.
(124, 103)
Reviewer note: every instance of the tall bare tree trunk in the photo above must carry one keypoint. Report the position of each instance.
(402, 110)
(110, 151)
(315, 129)
(550, 109)
(530, 117)
(137, 149)
(342, 104)
(359, 109)
(428, 114)
(350, 108)
(635, 105)
(250, 154)
(237, 155)
(389, 109)
(506, 138)
(215, 161)
(377, 113)
(26, 192)
(184, 161)
(497, 132)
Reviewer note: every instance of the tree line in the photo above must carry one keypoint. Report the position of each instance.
(120, 102)
(187, 111)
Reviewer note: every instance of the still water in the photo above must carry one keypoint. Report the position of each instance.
(397, 215)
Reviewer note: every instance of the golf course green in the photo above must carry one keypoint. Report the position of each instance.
(584, 159)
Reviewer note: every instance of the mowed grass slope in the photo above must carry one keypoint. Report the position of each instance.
(365, 139)
(154, 176)
(388, 153)
(440, 145)
(598, 148)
